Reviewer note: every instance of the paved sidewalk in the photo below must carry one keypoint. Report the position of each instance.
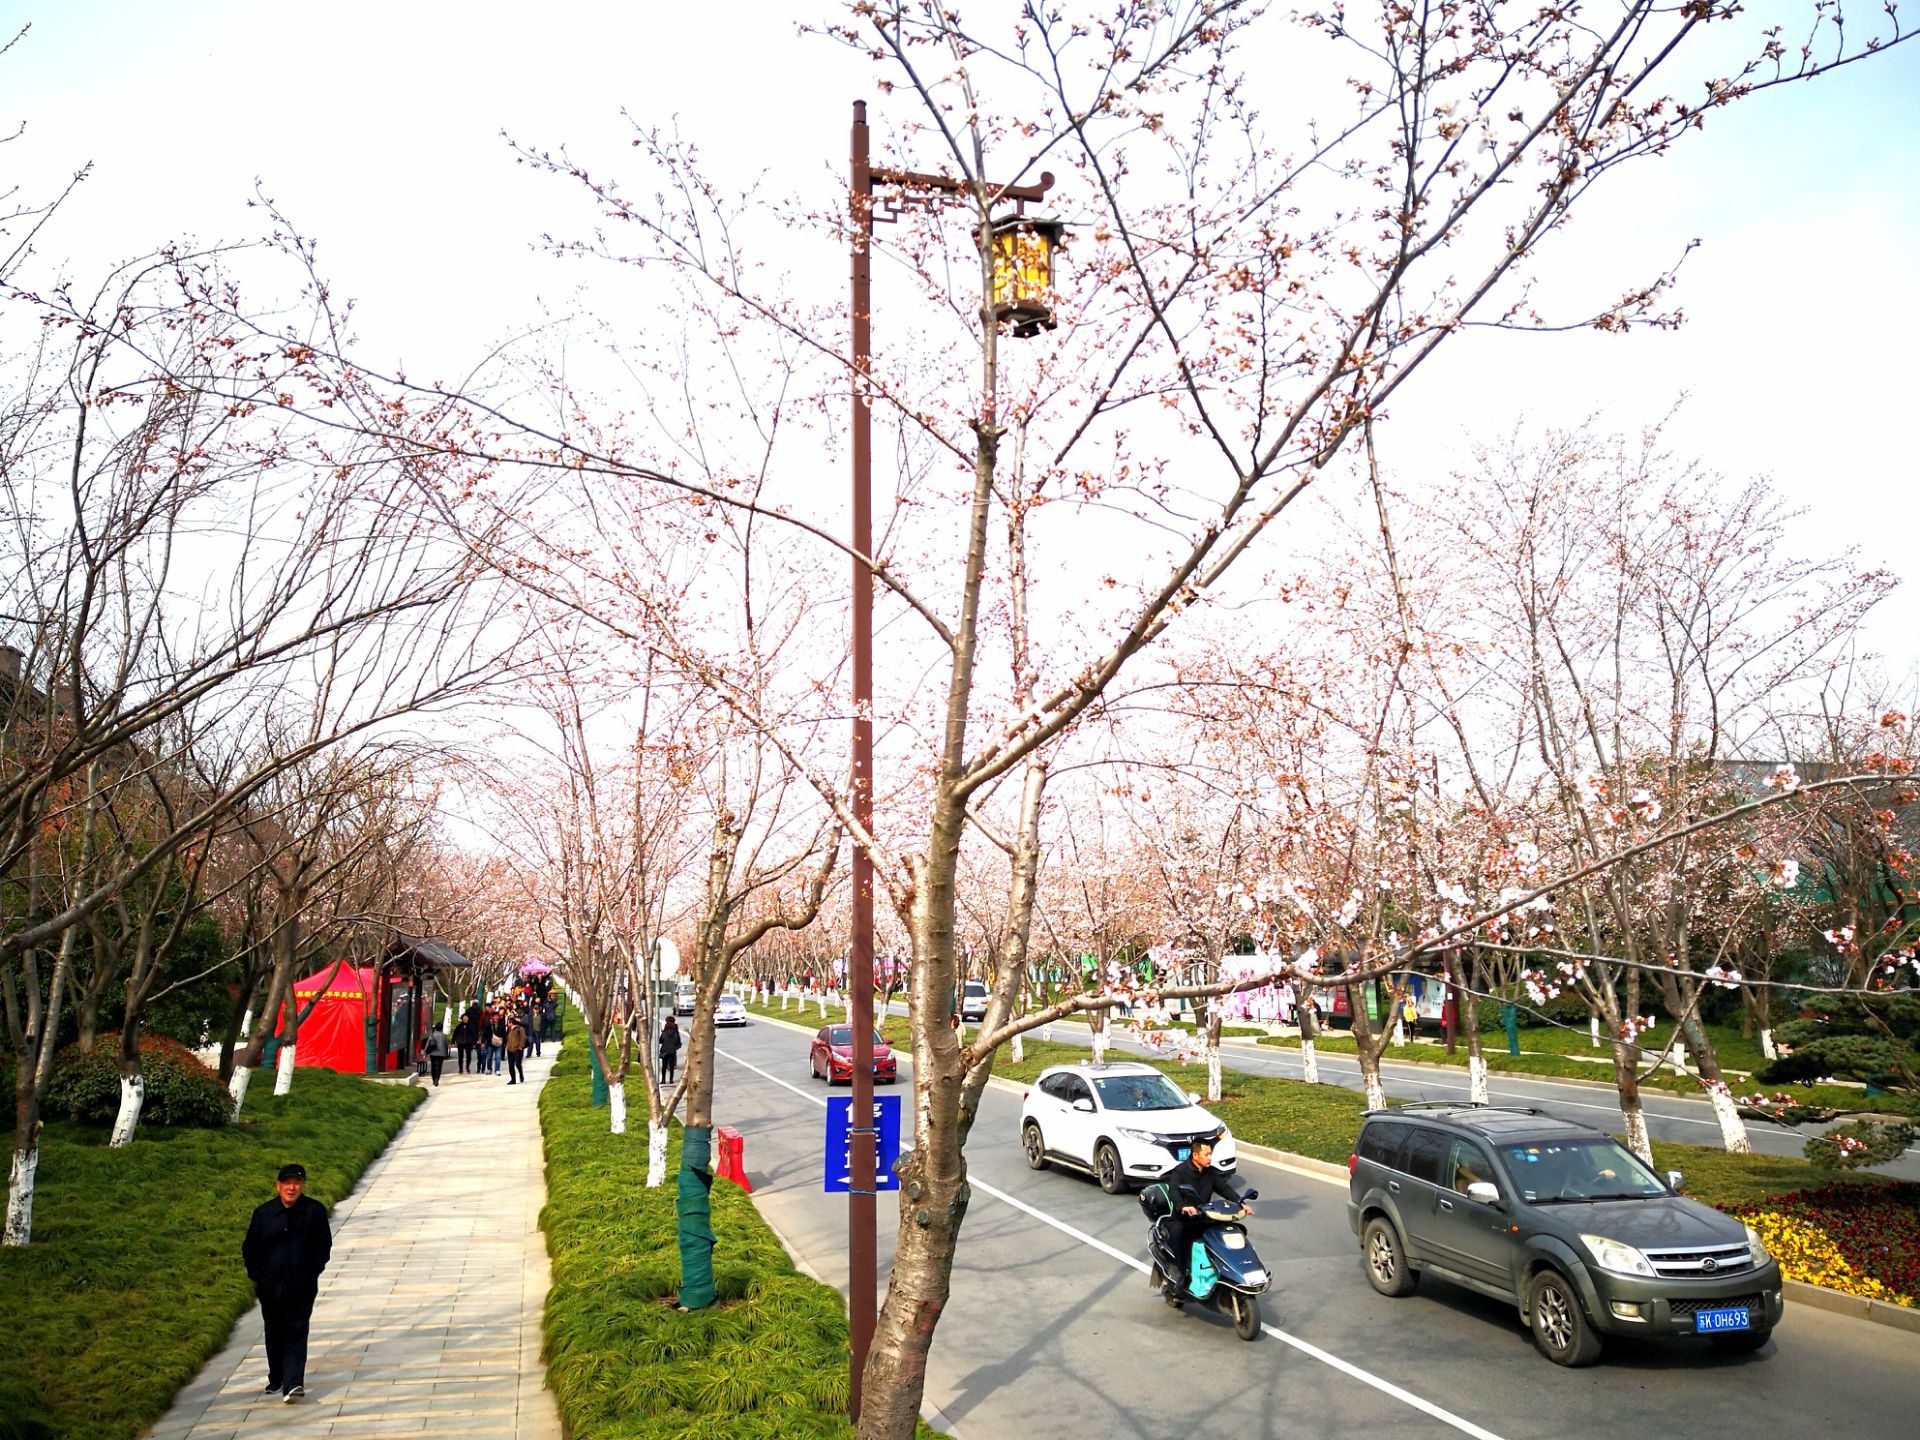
(429, 1315)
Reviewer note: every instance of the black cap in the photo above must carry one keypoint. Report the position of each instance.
(292, 1172)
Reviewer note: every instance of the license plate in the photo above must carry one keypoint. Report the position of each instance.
(1724, 1317)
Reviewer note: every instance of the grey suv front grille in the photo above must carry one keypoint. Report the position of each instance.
(1699, 1264)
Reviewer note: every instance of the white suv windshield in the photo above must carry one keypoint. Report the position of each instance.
(1577, 1169)
(1139, 1092)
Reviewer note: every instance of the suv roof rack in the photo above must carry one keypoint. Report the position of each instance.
(1455, 1105)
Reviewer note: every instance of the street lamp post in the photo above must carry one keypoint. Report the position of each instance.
(1023, 250)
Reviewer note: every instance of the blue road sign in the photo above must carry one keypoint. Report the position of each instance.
(839, 1160)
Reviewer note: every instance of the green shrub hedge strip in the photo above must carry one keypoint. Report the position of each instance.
(767, 1362)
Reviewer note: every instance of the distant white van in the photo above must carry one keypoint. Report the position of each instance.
(683, 998)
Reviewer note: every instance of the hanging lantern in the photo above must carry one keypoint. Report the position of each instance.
(1023, 252)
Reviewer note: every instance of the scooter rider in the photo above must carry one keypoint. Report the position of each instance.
(1192, 1184)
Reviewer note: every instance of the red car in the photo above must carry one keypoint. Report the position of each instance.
(830, 1057)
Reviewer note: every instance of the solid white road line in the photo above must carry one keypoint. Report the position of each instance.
(1345, 1367)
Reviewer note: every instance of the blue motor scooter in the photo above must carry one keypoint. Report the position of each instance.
(1219, 1269)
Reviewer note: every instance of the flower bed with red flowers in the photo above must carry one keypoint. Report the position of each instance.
(1862, 1239)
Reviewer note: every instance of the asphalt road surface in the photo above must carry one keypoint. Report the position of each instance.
(1669, 1116)
(1051, 1328)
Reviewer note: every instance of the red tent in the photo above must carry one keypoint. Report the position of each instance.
(334, 1032)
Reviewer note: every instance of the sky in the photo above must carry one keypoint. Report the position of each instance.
(378, 127)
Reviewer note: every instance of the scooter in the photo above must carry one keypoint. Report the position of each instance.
(1226, 1273)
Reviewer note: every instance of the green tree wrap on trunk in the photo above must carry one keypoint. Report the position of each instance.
(696, 1229)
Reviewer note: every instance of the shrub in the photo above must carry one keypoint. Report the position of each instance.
(1844, 1056)
(180, 1090)
(1863, 1143)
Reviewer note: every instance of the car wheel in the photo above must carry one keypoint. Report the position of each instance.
(1560, 1327)
(1740, 1342)
(1246, 1314)
(1035, 1147)
(1386, 1259)
(1106, 1169)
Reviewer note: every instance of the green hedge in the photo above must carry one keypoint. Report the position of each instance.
(768, 1362)
(85, 1086)
(134, 1278)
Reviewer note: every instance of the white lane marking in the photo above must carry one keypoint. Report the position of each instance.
(1345, 1367)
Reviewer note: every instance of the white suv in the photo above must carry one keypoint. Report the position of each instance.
(1125, 1123)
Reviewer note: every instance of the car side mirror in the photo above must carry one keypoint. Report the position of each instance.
(1084, 1106)
(1484, 1192)
(1674, 1177)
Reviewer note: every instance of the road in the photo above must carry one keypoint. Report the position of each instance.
(1051, 1328)
(1669, 1116)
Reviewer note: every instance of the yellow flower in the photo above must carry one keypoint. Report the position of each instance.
(1805, 1252)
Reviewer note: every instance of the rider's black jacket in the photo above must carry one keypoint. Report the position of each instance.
(1193, 1186)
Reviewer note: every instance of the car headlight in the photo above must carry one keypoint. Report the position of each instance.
(1757, 1246)
(1143, 1137)
(1621, 1259)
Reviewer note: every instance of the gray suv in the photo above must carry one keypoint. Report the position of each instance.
(1559, 1219)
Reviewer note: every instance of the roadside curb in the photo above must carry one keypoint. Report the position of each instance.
(1878, 1312)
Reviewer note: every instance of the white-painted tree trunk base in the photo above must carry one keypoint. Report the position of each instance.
(237, 1088)
(1733, 1130)
(1399, 1033)
(1309, 1063)
(1766, 1043)
(446, 1017)
(246, 1024)
(1017, 1052)
(1593, 1030)
(656, 1155)
(283, 1071)
(1099, 1046)
(785, 996)
(1634, 1123)
(823, 1011)
(20, 1197)
(1046, 1033)
(133, 1095)
(1376, 1092)
(1213, 1073)
(617, 1107)
(1477, 1079)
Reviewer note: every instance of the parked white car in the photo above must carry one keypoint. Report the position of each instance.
(1124, 1123)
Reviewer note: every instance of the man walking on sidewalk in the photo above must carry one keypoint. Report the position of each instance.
(287, 1246)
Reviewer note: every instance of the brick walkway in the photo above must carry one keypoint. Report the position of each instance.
(429, 1315)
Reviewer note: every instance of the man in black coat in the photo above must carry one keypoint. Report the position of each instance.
(287, 1246)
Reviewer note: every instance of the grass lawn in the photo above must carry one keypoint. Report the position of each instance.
(768, 1362)
(134, 1277)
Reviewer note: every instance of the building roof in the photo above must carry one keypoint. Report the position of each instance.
(428, 952)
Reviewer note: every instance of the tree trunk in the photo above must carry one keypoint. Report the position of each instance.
(692, 1207)
(1633, 1121)
(617, 1107)
(26, 1162)
(283, 1070)
(1309, 1062)
(1366, 1047)
(1733, 1130)
(1017, 1052)
(87, 1021)
(656, 1154)
(133, 1095)
(237, 1088)
(1098, 1020)
(1766, 1043)
(1213, 1054)
(133, 1088)
(933, 1203)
